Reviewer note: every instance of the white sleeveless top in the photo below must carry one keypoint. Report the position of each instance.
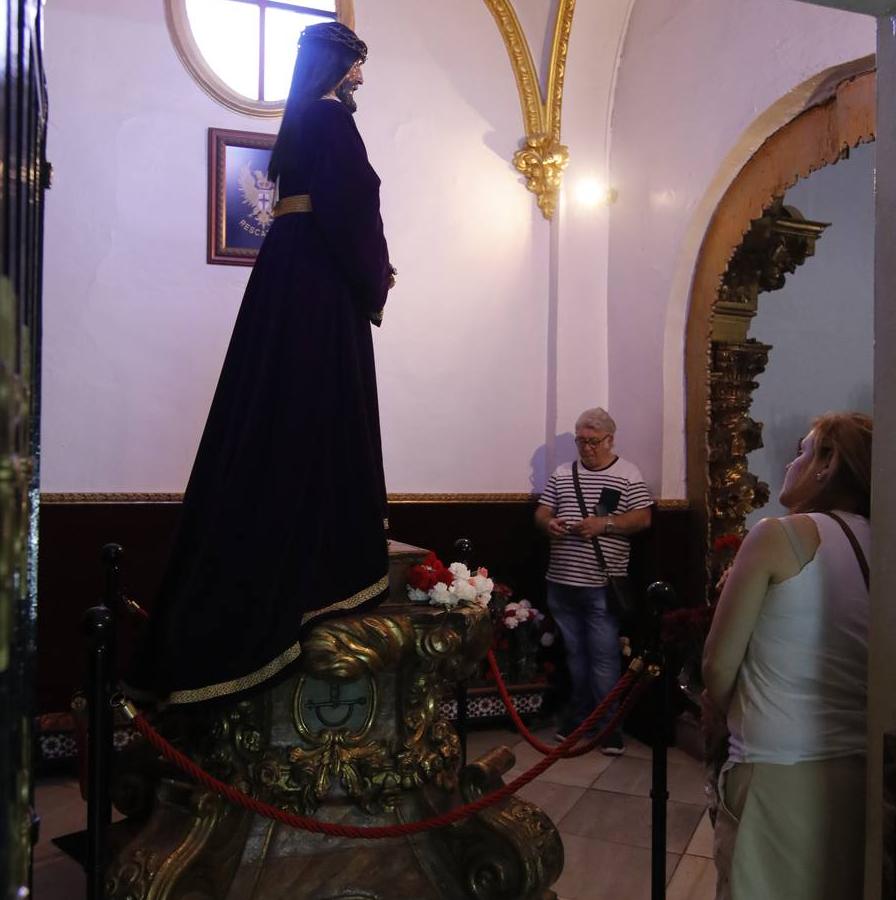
(801, 692)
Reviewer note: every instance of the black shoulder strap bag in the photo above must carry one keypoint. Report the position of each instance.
(620, 595)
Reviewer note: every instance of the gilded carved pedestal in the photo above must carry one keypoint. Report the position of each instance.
(353, 736)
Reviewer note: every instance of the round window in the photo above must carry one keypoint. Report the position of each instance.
(242, 52)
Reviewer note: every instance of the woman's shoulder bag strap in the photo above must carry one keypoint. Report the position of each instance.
(857, 549)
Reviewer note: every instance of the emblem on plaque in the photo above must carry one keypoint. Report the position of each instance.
(324, 705)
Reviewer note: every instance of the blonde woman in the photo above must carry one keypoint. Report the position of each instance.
(785, 666)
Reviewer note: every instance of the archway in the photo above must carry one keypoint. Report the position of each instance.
(839, 116)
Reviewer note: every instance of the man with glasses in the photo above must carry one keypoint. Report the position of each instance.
(618, 505)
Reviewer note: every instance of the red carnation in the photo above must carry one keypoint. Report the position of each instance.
(727, 543)
(427, 574)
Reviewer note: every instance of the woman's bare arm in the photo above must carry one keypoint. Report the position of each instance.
(764, 557)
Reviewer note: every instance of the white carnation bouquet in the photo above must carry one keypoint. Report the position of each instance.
(432, 582)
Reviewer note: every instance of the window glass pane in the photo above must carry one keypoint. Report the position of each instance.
(281, 34)
(227, 32)
(325, 5)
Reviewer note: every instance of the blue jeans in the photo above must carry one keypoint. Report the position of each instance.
(591, 635)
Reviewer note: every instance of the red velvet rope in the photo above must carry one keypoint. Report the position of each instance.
(306, 823)
(530, 738)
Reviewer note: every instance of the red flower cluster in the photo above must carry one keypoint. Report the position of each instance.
(503, 591)
(727, 543)
(429, 573)
(687, 625)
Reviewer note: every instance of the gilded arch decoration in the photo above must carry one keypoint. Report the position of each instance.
(720, 363)
(543, 157)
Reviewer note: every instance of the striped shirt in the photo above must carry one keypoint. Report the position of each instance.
(619, 488)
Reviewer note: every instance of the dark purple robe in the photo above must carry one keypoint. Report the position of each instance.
(283, 515)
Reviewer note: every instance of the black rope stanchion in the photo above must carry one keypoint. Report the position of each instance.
(660, 597)
(99, 627)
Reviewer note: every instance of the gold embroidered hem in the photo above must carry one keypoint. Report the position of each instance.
(197, 695)
(353, 601)
(236, 685)
(297, 203)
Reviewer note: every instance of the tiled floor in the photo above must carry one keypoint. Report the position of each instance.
(600, 804)
(61, 811)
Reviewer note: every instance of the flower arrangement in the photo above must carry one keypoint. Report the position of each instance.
(684, 630)
(687, 627)
(724, 549)
(727, 543)
(520, 631)
(432, 582)
(515, 614)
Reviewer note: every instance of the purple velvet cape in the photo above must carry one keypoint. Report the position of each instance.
(283, 516)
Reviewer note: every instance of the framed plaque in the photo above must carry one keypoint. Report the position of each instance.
(240, 195)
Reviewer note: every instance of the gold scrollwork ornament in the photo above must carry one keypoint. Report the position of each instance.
(542, 162)
(543, 157)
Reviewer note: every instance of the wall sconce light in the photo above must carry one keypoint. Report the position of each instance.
(591, 193)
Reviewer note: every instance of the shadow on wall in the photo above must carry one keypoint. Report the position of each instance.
(475, 80)
(441, 45)
(546, 458)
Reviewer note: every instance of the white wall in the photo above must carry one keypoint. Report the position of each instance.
(579, 379)
(499, 332)
(695, 78)
(823, 315)
(137, 323)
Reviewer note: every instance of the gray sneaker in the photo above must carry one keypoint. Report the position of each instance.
(613, 745)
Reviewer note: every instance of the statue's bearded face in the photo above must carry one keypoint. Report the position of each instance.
(346, 88)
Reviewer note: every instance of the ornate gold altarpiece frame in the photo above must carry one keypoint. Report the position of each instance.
(748, 245)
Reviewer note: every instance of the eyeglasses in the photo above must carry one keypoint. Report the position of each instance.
(592, 443)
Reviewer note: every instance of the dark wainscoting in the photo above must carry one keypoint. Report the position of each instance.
(72, 533)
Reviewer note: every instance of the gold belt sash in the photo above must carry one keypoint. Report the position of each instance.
(297, 203)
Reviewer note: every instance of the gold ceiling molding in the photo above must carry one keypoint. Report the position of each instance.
(53, 498)
(76, 498)
(461, 498)
(542, 158)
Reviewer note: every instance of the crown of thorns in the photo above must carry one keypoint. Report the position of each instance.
(335, 33)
